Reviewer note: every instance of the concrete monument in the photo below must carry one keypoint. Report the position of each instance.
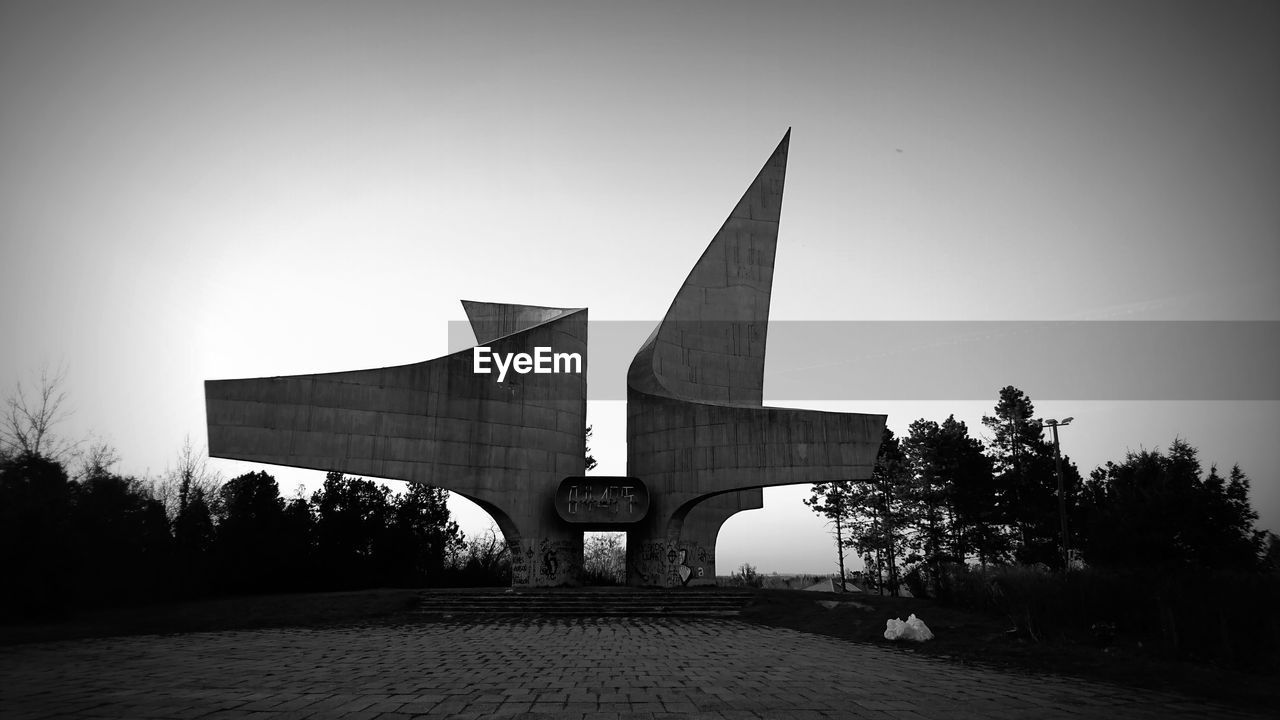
(700, 443)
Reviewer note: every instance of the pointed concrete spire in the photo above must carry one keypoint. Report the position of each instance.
(763, 199)
(710, 346)
(490, 320)
(697, 431)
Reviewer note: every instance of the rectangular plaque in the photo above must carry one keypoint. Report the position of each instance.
(602, 500)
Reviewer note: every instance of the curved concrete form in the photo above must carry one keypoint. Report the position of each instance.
(490, 320)
(505, 445)
(697, 430)
(699, 437)
(701, 529)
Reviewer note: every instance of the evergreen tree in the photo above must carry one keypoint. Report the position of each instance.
(887, 489)
(352, 518)
(193, 534)
(835, 502)
(424, 538)
(121, 536)
(948, 495)
(35, 540)
(1025, 484)
(1270, 552)
(299, 545)
(970, 494)
(251, 544)
(931, 518)
(1157, 510)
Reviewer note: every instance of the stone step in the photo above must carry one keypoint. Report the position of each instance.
(582, 602)
(605, 600)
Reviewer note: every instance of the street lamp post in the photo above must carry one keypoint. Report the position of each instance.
(1062, 497)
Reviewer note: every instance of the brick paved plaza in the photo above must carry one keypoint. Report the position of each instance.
(568, 668)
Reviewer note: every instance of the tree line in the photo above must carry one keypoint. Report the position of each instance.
(106, 539)
(939, 497)
(73, 532)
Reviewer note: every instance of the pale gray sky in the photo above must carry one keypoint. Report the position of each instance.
(236, 189)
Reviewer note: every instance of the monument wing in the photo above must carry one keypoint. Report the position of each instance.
(697, 430)
(695, 414)
(436, 422)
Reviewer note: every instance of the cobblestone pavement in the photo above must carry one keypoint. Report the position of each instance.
(577, 668)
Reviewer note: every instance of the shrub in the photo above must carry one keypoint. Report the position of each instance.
(484, 562)
(604, 559)
(1219, 616)
(746, 577)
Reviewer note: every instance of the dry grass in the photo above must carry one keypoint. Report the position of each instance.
(971, 637)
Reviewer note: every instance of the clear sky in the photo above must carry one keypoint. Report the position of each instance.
(238, 189)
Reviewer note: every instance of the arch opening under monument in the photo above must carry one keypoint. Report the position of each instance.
(604, 557)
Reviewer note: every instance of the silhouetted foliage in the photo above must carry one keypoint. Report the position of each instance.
(950, 482)
(122, 543)
(193, 536)
(941, 498)
(100, 538)
(1271, 553)
(1175, 614)
(252, 547)
(972, 495)
(1025, 484)
(298, 545)
(367, 536)
(35, 545)
(484, 561)
(1158, 510)
(424, 540)
(352, 519)
(837, 502)
(590, 459)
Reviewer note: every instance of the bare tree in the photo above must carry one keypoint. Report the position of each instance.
(191, 477)
(486, 555)
(27, 427)
(98, 460)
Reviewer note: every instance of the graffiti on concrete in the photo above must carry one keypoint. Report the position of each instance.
(672, 564)
(544, 562)
(520, 561)
(550, 565)
(684, 570)
(659, 563)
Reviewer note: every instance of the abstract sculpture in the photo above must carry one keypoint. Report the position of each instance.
(700, 443)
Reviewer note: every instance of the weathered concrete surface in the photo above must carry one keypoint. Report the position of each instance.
(641, 669)
(505, 445)
(696, 425)
(490, 320)
(698, 435)
(702, 528)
